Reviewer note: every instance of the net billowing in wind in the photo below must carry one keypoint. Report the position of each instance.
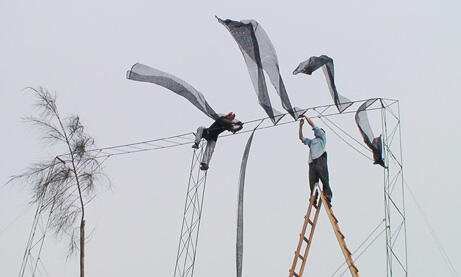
(260, 57)
(144, 73)
(239, 240)
(375, 144)
(243, 168)
(314, 63)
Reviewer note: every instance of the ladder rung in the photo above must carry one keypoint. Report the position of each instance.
(339, 232)
(355, 268)
(334, 217)
(334, 223)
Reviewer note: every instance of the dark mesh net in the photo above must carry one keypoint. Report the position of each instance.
(144, 73)
(314, 63)
(375, 144)
(260, 57)
(239, 240)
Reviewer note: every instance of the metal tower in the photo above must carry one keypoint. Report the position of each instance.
(188, 237)
(32, 264)
(394, 192)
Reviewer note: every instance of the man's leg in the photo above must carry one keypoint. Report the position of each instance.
(313, 178)
(322, 169)
(207, 155)
(198, 136)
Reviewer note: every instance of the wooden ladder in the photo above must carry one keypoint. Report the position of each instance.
(334, 223)
(308, 221)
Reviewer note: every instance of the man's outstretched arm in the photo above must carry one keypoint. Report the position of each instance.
(318, 132)
(301, 123)
(231, 121)
(309, 121)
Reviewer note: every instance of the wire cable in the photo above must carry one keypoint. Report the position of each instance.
(443, 253)
(21, 214)
(188, 138)
(340, 137)
(347, 134)
(369, 245)
(361, 244)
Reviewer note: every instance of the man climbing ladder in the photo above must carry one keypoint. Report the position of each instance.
(318, 168)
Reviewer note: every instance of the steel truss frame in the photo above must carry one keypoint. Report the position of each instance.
(188, 238)
(394, 190)
(32, 264)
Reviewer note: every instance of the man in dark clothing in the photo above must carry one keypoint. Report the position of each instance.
(223, 123)
(318, 168)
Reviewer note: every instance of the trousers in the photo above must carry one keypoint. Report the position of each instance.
(318, 169)
(210, 145)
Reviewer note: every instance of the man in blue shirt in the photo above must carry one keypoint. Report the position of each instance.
(318, 168)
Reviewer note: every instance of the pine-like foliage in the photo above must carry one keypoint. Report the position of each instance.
(65, 183)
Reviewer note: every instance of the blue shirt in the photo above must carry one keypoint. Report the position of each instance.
(317, 144)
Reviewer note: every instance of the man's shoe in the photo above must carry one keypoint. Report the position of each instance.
(195, 145)
(316, 197)
(203, 166)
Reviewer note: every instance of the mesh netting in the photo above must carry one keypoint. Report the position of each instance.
(375, 144)
(260, 57)
(314, 63)
(144, 73)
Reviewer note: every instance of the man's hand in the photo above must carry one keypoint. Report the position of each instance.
(301, 122)
(236, 129)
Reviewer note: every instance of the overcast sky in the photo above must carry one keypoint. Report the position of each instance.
(404, 50)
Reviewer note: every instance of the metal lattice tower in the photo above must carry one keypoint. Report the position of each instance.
(32, 264)
(188, 238)
(394, 192)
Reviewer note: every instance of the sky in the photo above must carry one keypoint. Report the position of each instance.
(404, 50)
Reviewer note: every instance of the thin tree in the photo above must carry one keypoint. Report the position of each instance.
(64, 184)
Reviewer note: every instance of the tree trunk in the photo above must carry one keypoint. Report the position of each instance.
(82, 248)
